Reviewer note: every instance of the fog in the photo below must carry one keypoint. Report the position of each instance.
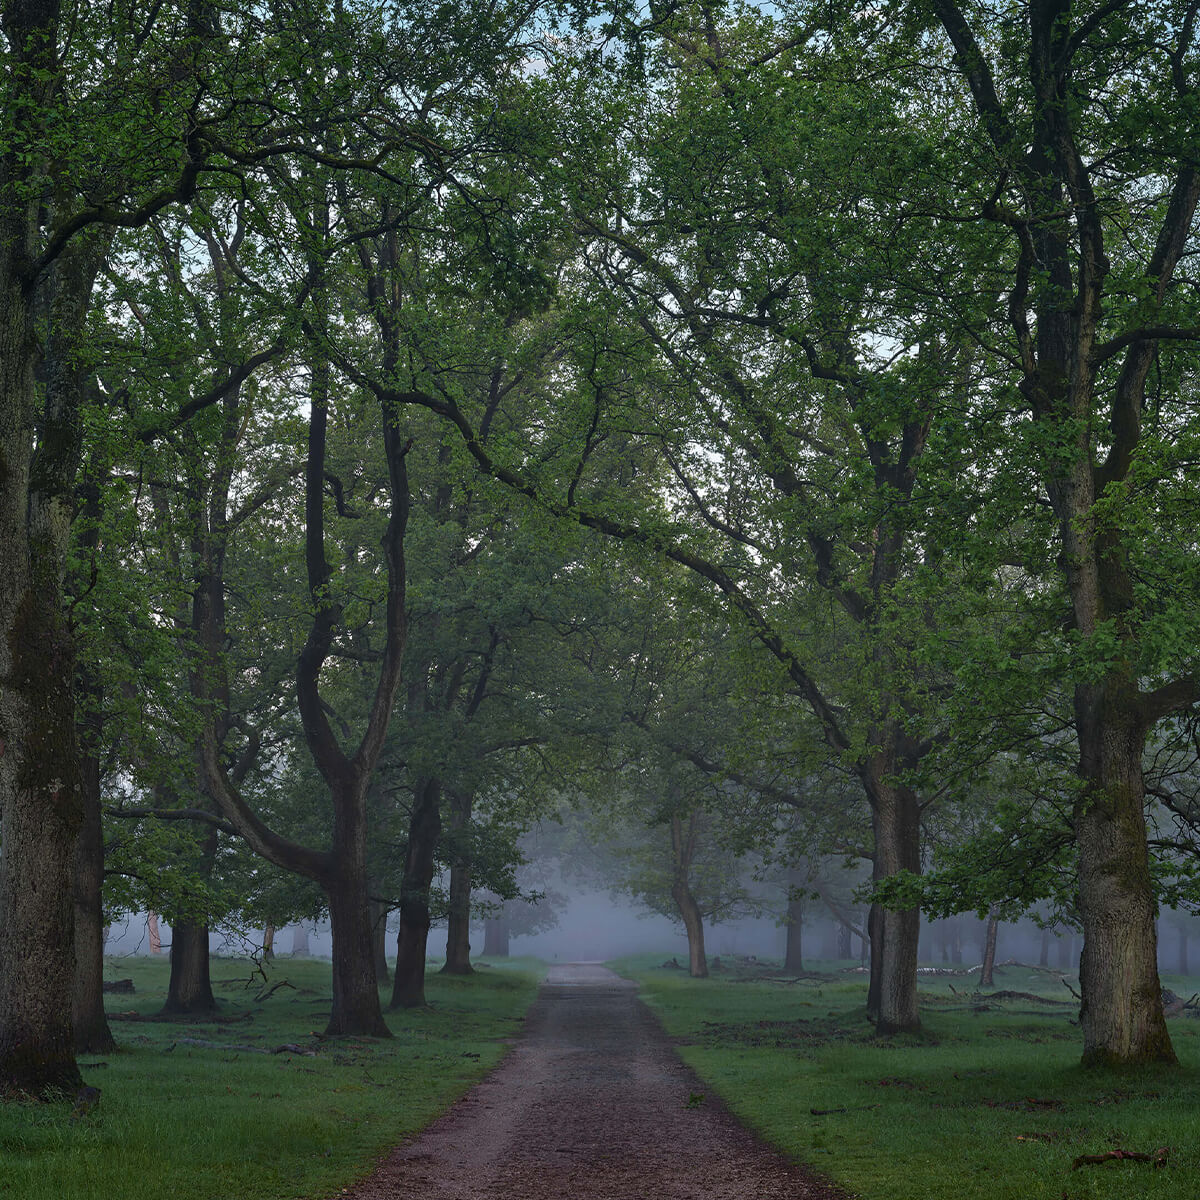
(594, 926)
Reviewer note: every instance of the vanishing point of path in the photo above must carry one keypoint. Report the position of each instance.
(591, 1104)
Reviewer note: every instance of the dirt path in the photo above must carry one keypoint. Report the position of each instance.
(592, 1104)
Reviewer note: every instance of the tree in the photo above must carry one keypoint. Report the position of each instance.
(84, 146)
(1082, 161)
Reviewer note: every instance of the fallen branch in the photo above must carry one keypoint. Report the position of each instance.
(266, 995)
(1157, 1159)
(1173, 1005)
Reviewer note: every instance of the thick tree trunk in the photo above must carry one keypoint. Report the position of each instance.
(892, 996)
(988, 970)
(356, 1008)
(189, 992)
(92, 1034)
(268, 941)
(458, 925)
(1121, 1014)
(40, 805)
(425, 827)
(495, 936)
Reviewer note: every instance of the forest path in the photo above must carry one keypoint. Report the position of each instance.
(591, 1104)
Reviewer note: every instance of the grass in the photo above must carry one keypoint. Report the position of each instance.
(988, 1100)
(182, 1120)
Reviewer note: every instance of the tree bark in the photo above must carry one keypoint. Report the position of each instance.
(988, 970)
(495, 936)
(683, 845)
(458, 925)
(88, 1018)
(425, 827)
(379, 916)
(356, 1007)
(892, 994)
(1121, 1014)
(268, 941)
(693, 924)
(189, 992)
(41, 807)
(793, 955)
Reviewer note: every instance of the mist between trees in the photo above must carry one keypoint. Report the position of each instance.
(764, 439)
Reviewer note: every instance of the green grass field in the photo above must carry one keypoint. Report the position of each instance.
(989, 1101)
(179, 1120)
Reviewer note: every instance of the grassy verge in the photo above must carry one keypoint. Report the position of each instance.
(988, 1101)
(199, 1122)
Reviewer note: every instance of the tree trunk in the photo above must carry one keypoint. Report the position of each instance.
(683, 848)
(1121, 1011)
(379, 916)
(693, 924)
(495, 936)
(300, 941)
(425, 827)
(793, 956)
(189, 992)
(843, 940)
(895, 817)
(458, 931)
(92, 1033)
(153, 933)
(987, 973)
(356, 1007)
(268, 941)
(40, 803)
(458, 926)
(1066, 959)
